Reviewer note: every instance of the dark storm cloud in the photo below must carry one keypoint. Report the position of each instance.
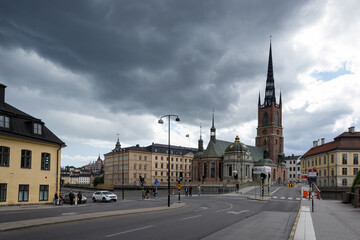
(151, 56)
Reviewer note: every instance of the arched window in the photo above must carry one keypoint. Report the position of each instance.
(230, 171)
(266, 119)
(212, 170)
(220, 170)
(205, 170)
(277, 119)
(344, 182)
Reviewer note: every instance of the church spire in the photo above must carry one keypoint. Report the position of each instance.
(270, 85)
(200, 142)
(259, 102)
(117, 146)
(213, 129)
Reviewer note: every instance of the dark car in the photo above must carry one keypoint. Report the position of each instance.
(67, 199)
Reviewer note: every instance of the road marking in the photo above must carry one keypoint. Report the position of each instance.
(231, 206)
(275, 191)
(298, 199)
(232, 212)
(190, 217)
(133, 230)
(69, 213)
(290, 198)
(274, 196)
(282, 198)
(202, 209)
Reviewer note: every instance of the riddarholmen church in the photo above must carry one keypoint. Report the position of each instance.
(221, 160)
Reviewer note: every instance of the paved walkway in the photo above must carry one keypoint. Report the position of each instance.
(330, 220)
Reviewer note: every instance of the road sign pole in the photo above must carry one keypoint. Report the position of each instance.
(262, 188)
(179, 195)
(268, 186)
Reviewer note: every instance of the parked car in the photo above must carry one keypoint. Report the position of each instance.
(104, 196)
(66, 199)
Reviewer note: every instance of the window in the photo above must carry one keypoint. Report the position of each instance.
(344, 158)
(315, 161)
(344, 171)
(356, 158)
(144, 158)
(155, 173)
(230, 170)
(4, 156)
(37, 128)
(332, 158)
(139, 166)
(162, 165)
(332, 172)
(23, 193)
(324, 172)
(162, 158)
(324, 159)
(3, 187)
(4, 121)
(139, 157)
(134, 157)
(134, 166)
(277, 119)
(177, 167)
(177, 159)
(44, 193)
(319, 173)
(344, 182)
(205, 170)
(212, 170)
(25, 159)
(156, 157)
(356, 170)
(45, 161)
(319, 160)
(134, 175)
(312, 162)
(156, 165)
(266, 120)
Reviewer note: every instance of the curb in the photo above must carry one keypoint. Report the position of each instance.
(293, 230)
(86, 216)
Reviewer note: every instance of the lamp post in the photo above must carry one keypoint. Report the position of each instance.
(177, 119)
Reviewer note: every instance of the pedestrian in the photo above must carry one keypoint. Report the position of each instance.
(199, 190)
(186, 191)
(55, 199)
(79, 197)
(147, 194)
(71, 197)
(190, 190)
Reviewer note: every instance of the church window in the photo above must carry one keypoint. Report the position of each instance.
(277, 119)
(266, 119)
(212, 170)
(220, 170)
(230, 171)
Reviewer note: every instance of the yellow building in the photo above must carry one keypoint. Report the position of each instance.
(148, 162)
(30, 156)
(336, 162)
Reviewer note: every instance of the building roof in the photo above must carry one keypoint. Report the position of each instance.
(21, 124)
(345, 141)
(216, 149)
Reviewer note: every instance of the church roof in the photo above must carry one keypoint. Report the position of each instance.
(216, 149)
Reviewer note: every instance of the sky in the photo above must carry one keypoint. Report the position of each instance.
(97, 70)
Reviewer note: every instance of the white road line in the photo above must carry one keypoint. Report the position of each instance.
(187, 218)
(298, 199)
(133, 230)
(282, 198)
(274, 196)
(231, 206)
(290, 198)
(232, 212)
(69, 213)
(275, 190)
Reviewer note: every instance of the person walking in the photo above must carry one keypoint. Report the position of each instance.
(186, 191)
(71, 197)
(56, 199)
(79, 196)
(199, 190)
(190, 191)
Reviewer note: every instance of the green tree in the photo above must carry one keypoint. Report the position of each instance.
(98, 180)
(356, 182)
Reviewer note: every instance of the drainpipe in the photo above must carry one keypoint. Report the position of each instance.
(57, 173)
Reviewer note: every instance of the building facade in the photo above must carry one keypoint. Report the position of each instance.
(336, 162)
(30, 157)
(294, 168)
(127, 165)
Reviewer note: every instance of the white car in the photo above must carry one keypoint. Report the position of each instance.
(104, 196)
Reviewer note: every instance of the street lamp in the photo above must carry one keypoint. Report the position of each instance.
(177, 119)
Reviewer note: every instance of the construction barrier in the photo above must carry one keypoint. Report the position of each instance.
(305, 194)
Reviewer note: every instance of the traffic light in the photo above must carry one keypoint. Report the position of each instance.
(236, 176)
(203, 178)
(269, 175)
(181, 176)
(263, 176)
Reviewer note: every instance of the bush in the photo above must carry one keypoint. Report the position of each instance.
(356, 182)
(98, 180)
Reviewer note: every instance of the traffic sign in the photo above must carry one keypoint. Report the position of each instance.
(156, 182)
(179, 186)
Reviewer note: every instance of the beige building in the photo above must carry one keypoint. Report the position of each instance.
(336, 162)
(30, 156)
(148, 162)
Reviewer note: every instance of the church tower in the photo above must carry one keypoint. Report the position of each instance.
(270, 130)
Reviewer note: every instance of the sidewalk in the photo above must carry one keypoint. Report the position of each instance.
(331, 219)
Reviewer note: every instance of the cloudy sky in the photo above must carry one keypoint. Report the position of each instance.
(94, 69)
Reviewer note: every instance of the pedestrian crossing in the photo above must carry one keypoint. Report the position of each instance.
(284, 198)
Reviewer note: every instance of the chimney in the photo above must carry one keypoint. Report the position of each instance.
(315, 143)
(352, 129)
(2, 93)
(322, 141)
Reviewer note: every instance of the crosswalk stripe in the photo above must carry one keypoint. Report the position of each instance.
(282, 197)
(274, 197)
(298, 199)
(290, 198)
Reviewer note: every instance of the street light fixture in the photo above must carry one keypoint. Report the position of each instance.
(177, 119)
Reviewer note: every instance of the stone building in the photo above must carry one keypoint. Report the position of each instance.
(337, 162)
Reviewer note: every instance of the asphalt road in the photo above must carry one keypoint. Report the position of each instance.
(205, 217)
